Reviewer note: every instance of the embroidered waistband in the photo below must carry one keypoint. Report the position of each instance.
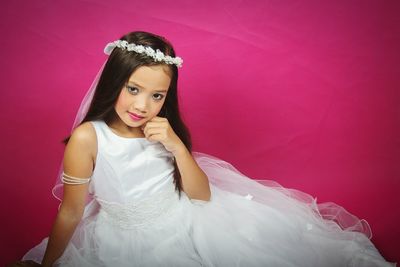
(141, 213)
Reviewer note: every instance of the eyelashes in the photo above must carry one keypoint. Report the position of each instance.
(133, 90)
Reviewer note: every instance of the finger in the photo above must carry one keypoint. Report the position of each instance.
(32, 263)
(15, 264)
(20, 264)
(155, 137)
(148, 124)
(28, 263)
(151, 131)
(155, 125)
(156, 118)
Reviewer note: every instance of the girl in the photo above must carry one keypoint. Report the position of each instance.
(134, 194)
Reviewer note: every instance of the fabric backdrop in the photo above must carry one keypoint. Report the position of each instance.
(302, 92)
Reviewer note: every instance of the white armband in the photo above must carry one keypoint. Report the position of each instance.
(74, 180)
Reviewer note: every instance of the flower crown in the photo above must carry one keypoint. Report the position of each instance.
(156, 55)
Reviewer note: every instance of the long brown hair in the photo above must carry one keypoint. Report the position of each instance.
(117, 70)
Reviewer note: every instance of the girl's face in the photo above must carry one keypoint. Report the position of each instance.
(143, 96)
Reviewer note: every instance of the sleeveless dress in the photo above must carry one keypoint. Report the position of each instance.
(134, 217)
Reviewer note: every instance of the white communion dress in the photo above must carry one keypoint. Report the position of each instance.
(136, 218)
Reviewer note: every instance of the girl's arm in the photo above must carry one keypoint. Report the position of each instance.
(78, 162)
(194, 180)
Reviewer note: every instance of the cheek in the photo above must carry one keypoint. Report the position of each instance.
(121, 103)
(156, 108)
(159, 106)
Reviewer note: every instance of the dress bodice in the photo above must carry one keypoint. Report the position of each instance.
(129, 168)
(131, 175)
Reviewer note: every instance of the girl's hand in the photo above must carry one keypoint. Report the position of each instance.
(159, 129)
(27, 263)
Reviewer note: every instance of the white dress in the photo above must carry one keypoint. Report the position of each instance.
(136, 218)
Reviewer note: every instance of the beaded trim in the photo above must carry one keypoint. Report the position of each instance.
(142, 213)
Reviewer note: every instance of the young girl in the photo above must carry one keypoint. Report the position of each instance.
(134, 194)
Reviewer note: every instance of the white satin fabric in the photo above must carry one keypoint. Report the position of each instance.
(135, 218)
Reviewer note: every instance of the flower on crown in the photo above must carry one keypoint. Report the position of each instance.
(140, 49)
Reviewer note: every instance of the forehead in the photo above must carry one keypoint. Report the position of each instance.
(152, 77)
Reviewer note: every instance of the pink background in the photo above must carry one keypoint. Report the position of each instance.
(302, 92)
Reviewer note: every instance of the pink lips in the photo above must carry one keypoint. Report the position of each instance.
(134, 116)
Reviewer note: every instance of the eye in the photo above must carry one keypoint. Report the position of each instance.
(158, 96)
(132, 90)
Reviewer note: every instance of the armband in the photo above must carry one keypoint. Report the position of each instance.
(74, 180)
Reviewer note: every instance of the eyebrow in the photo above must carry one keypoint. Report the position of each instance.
(138, 85)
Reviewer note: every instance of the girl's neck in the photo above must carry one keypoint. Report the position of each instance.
(121, 129)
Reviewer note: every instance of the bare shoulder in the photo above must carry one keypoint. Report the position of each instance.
(84, 133)
(82, 144)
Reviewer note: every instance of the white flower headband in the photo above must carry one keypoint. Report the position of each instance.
(156, 55)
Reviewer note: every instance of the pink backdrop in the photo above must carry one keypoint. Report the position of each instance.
(302, 92)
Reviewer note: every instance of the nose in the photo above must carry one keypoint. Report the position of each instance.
(140, 105)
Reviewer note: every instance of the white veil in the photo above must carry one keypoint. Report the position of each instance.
(83, 109)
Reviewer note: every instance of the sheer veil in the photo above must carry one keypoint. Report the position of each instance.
(57, 190)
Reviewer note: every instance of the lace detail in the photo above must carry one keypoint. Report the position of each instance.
(142, 213)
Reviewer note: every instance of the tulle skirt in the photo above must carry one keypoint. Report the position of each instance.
(246, 223)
